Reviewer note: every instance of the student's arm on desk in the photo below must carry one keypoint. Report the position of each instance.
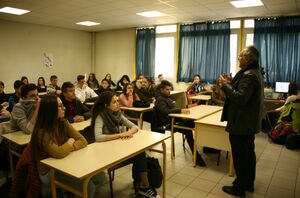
(80, 141)
(58, 151)
(164, 108)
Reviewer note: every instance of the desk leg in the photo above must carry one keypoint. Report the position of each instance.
(141, 120)
(53, 188)
(172, 139)
(164, 169)
(230, 165)
(195, 145)
(85, 187)
(11, 160)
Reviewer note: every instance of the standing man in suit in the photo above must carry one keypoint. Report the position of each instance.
(243, 113)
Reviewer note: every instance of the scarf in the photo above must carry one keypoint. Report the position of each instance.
(111, 120)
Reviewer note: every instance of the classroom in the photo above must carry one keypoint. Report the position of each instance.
(204, 86)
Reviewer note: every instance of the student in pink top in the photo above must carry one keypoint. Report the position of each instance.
(128, 96)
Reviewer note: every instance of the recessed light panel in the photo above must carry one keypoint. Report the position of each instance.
(87, 23)
(246, 3)
(15, 11)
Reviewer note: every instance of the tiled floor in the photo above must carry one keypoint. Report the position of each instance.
(278, 174)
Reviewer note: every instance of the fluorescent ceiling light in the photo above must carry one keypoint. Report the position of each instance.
(87, 23)
(16, 11)
(246, 3)
(151, 14)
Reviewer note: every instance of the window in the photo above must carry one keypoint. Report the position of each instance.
(249, 39)
(164, 56)
(233, 53)
(249, 23)
(165, 50)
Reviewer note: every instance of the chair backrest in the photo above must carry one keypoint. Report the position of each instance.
(156, 124)
(88, 134)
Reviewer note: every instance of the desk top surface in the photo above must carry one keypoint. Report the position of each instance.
(102, 155)
(138, 109)
(81, 125)
(198, 112)
(20, 138)
(200, 97)
(213, 119)
(176, 92)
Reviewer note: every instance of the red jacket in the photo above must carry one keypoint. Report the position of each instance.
(26, 181)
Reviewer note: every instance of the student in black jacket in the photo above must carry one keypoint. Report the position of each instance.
(75, 110)
(164, 105)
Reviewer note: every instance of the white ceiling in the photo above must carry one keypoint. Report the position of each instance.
(117, 14)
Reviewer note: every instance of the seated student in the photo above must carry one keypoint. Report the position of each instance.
(75, 110)
(146, 92)
(14, 99)
(128, 96)
(82, 91)
(273, 115)
(196, 87)
(160, 78)
(53, 136)
(137, 82)
(24, 80)
(106, 121)
(53, 88)
(108, 78)
(93, 82)
(3, 101)
(122, 82)
(23, 115)
(105, 86)
(164, 105)
(41, 86)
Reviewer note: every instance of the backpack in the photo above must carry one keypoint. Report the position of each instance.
(155, 175)
(280, 132)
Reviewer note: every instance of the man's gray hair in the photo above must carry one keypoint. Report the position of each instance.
(252, 52)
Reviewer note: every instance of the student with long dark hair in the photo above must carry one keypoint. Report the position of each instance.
(128, 96)
(93, 82)
(41, 85)
(53, 136)
(108, 78)
(106, 122)
(122, 82)
(24, 80)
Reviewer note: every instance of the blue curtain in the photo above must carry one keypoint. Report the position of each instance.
(145, 52)
(204, 48)
(278, 41)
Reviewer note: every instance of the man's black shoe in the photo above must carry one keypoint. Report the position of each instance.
(231, 190)
(200, 161)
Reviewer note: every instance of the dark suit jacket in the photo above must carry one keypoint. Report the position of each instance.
(244, 102)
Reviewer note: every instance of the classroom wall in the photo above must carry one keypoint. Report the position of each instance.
(22, 48)
(115, 53)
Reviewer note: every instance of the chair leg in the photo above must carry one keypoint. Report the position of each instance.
(110, 183)
(219, 155)
(183, 142)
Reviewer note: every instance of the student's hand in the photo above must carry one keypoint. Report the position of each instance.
(126, 135)
(78, 118)
(4, 112)
(223, 80)
(153, 100)
(71, 141)
(185, 111)
(5, 104)
(58, 92)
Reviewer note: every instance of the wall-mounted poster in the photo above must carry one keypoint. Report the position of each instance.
(48, 60)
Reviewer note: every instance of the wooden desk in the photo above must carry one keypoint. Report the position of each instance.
(98, 156)
(196, 113)
(81, 125)
(205, 98)
(41, 94)
(210, 132)
(140, 111)
(19, 138)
